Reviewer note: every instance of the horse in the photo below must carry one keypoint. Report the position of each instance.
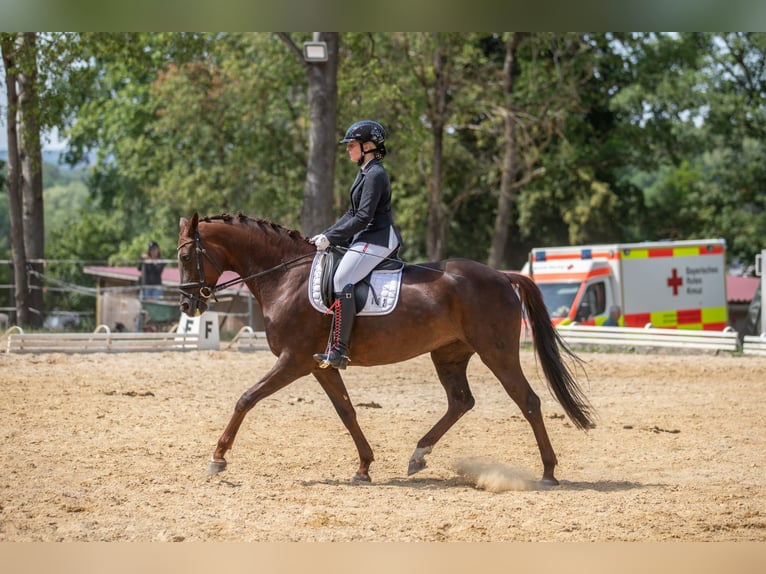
(452, 309)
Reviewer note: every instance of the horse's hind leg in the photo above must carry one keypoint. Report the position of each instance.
(506, 367)
(451, 364)
(332, 383)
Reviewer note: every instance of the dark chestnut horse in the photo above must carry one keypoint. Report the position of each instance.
(451, 309)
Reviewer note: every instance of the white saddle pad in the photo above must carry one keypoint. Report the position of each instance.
(381, 299)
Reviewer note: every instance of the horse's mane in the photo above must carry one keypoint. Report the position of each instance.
(250, 221)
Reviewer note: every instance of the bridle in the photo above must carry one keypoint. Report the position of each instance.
(205, 291)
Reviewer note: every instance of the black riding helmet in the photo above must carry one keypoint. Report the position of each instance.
(367, 131)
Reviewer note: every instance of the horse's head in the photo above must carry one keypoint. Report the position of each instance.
(198, 271)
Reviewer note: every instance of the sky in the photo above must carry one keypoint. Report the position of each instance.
(51, 141)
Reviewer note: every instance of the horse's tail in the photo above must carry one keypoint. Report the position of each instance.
(549, 345)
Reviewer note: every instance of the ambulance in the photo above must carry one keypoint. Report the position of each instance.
(664, 284)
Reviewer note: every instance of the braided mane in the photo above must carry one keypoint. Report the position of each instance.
(250, 221)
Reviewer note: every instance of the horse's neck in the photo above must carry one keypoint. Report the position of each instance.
(253, 250)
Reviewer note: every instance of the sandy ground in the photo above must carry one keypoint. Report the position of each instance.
(114, 447)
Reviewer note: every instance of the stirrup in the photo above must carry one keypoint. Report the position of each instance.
(332, 359)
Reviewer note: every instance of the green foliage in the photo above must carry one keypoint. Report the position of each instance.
(203, 129)
(65, 194)
(622, 136)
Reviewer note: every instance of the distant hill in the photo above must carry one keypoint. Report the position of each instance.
(49, 156)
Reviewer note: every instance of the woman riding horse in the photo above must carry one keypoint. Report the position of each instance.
(367, 229)
(452, 310)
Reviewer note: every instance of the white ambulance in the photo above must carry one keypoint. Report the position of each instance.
(665, 284)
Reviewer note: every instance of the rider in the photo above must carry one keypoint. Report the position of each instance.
(367, 229)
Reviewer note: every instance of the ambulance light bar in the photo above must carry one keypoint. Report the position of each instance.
(543, 255)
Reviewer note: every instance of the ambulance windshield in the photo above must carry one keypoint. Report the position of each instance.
(559, 297)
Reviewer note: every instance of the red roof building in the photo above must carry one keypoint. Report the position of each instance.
(118, 301)
(741, 289)
(739, 293)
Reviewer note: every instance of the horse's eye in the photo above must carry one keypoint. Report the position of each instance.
(185, 257)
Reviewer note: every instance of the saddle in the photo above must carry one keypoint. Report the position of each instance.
(376, 294)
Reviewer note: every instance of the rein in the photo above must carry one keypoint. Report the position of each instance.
(282, 265)
(207, 291)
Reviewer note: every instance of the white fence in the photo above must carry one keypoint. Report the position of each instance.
(101, 340)
(726, 340)
(754, 345)
(15, 340)
(248, 340)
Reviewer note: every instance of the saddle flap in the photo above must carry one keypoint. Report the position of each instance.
(377, 294)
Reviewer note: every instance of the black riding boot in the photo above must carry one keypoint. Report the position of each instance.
(344, 310)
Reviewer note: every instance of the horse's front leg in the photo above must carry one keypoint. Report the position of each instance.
(333, 385)
(281, 374)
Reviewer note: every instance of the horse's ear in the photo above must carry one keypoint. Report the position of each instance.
(188, 226)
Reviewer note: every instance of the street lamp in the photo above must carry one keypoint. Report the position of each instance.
(315, 51)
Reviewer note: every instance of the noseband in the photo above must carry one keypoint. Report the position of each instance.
(205, 292)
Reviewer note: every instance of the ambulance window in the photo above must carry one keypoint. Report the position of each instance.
(593, 302)
(559, 297)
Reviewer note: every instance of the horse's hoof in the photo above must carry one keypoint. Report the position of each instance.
(415, 466)
(549, 482)
(418, 459)
(361, 479)
(216, 466)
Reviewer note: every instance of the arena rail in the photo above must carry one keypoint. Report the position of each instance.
(248, 340)
(101, 340)
(726, 340)
(754, 345)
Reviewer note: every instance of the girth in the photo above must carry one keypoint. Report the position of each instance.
(361, 289)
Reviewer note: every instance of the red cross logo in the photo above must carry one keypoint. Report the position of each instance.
(675, 281)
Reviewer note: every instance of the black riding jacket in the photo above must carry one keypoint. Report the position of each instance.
(369, 217)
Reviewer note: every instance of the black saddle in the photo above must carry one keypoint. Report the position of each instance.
(361, 289)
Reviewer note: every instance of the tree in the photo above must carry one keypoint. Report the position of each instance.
(697, 107)
(8, 44)
(25, 185)
(437, 62)
(32, 63)
(509, 165)
(587, 194)
(734, 77)
(192, 122)
(30, 149)
(317, 213)
(497, 142)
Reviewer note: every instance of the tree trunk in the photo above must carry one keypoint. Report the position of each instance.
(436, 233)
(15, 208)
(31, 176)
(505, 201)
(317, 211)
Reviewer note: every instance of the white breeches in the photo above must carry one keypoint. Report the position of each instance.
(360, 259)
